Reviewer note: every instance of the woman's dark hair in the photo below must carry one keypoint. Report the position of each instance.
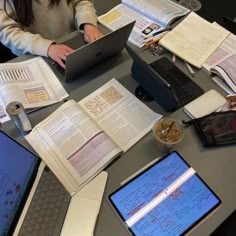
(23, 10)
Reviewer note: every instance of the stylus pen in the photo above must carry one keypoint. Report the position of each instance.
(173, 58)
(155, 40)
(190, 69)
(163, 30)
(32, 110)
(152, 41)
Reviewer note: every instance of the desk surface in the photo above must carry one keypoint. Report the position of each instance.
(215, 165)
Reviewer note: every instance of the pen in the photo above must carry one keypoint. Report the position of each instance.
(32, 110)
(154, 40)
(163, 30)
(173, 58)
(190, 69)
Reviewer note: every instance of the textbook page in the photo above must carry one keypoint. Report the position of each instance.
(194, 39)
(162, 11)
(227, 47)
(226, 70)
(121, 15)
(151, 17)
(30, 82)
(222, 84)
(119, 113)
(72, 145)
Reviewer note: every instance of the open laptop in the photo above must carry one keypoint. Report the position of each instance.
(33, 202)
(89, 55)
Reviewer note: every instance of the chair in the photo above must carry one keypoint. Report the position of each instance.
(230, 23)
(5, 53)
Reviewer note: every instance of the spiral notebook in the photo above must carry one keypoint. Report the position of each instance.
(205, 104)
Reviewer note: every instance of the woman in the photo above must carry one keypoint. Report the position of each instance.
(32, 26)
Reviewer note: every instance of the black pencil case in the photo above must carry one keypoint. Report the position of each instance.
(216, 129)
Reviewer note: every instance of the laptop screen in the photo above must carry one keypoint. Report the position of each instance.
(168, 198)
(18, 167)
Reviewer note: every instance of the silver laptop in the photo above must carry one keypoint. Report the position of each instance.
(89, 55)
(33, 202)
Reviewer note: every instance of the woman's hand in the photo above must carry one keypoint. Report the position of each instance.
(58, 53)
(91, 33)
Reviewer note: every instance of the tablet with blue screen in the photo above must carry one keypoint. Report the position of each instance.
(18, 170)
(167, 198)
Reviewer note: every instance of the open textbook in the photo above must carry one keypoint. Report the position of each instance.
(227, 47)
(30, 82)
(222, 64)
(79, 139)
(194, 39)
(226, 71)
(222, 84)
(151, 16)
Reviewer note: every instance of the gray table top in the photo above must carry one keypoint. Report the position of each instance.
(215, 165)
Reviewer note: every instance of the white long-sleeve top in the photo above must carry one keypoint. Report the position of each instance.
(50, 24)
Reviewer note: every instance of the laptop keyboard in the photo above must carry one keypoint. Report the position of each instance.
(48, 208)
(184, 88)
(61, 70)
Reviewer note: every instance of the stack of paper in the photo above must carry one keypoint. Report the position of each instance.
(194, 39)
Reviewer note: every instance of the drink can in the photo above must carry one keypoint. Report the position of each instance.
(18, 114)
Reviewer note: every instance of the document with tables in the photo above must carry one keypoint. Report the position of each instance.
(152, 17)
(194, 39)
(30, 82)
(79, 139)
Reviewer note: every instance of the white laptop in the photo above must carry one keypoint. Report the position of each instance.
(89, 55)
(34, 202)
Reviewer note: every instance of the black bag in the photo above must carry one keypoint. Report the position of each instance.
(216, 129)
